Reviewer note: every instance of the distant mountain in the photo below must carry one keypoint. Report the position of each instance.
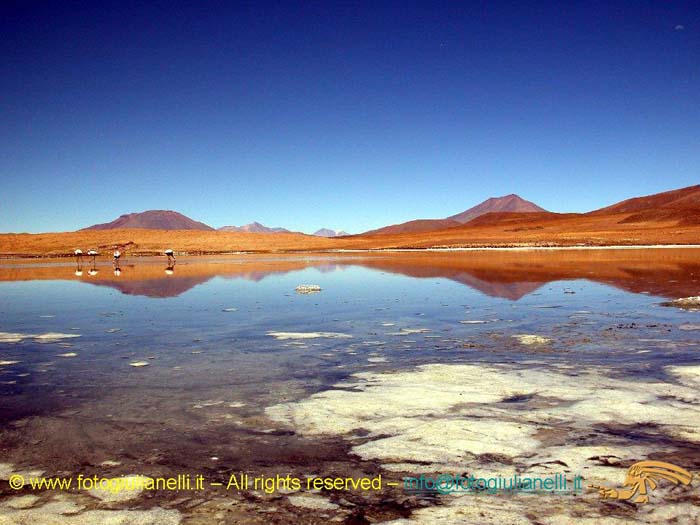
(152, 220)
(325, 232)
(507, 204)
(253, 227)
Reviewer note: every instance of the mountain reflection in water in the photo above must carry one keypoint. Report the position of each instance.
(504, 274)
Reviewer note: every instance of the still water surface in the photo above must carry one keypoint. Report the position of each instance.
(210, 332)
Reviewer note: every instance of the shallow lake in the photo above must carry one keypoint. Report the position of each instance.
(494, 362)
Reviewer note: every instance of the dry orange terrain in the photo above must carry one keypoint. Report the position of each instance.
(493, 230)
(145, 242)
(671, 217)
(535, 229)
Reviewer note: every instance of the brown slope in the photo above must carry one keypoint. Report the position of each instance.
(676, 199)
(152, 220)
(417, 226)
(144, 242)
(517, 219)
(678, 207)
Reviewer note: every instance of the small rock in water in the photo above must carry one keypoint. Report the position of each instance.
(689, 327)
(307, 288)
(68, 354)
(529, 339)
(8, 363)
(282, 336)
(138, 364)
(53, 337)
(407, 331)
(230, 310)
(9, 337)
(684, 302)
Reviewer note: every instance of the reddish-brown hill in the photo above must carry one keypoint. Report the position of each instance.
(417, 226)
(509, 203)
(676, 199)
(152, 220)
(681, 207)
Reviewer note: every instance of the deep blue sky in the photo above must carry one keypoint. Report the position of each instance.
(316, 114)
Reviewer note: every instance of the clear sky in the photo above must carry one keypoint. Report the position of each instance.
(316, 114)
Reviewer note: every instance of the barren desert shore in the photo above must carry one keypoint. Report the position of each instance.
(509, 232)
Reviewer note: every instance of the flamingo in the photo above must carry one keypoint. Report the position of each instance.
(170, 254)
(93, 254)
(117, 254)
(78, 255)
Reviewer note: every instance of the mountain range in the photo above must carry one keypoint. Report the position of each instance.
(510, 213)
(667, 218)
(325, 232)
(172, 220)
(253, 227)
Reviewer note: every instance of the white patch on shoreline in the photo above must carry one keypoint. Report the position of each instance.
(688, 375)
(489, 509)
(65, 509)
(8, 337)
(687, 301)
(311, 501)
(283, 336)
(409, 331)
(445, 418)
(7, 469)
(131, 487)
(52, 337)
(447, 415)
(49, 337)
